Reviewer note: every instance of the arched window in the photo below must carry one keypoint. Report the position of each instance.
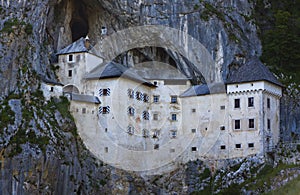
(70, 89)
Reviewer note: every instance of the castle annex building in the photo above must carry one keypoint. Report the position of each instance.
(150, 115)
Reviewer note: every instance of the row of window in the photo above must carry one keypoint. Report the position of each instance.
(237, 102)
(250, 145)
(146, 115)
(145, 132)
(237, 124)
(138, 95)
(251, 124)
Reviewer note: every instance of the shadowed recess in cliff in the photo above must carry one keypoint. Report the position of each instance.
(79, 23)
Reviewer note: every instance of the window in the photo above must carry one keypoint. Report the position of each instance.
(173, 133)
(269, 124)
(146, 115)
(172, 150)
(222, 128)
(174, 117)
(145, 133)
(250, 101)
(130, 130)
(155, 83)
(104, 110)
(237, 124)
(251, 123)
(173, 99)
(193, 110)
(222, 147)
(251, 145)
(155, 117)
(131, 111)
(51, 89)
(194, 149)
(156, 146)
(236, 103)
(70, 58)
(238, 145)
(130, 93)
(106, 149)
(193, 130)
(70, 73)
(156, 134)
(104, 92)
(155, 98)
(146, 97)
(83, 110)
(105, 130)
(139, 95)
(222, 107)
(268, 103)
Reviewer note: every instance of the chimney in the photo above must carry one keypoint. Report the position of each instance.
(87, 43)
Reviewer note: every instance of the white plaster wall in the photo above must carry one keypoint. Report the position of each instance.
(92, 61)
(46, 88)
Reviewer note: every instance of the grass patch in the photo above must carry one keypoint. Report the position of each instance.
(291, 188)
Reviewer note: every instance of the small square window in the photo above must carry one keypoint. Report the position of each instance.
(222, 128)
(146, 115)
(269, 124)
(238, 145)
(156, 134)
(193, 130)
(251, 123)
(194, 149)
(237, 124)
(105, 130)
(173, 133)
(193, 110)
(155, 117)
(51, 89)
(70, 73)
(104, 110)
(222, 147)
(155, 83)
(174, 117)
(172, 150)
(236, 103)
(250, 101)
(83, 110)
(251, 145)
(155, 98)
(145, 97)
(139, 95)
(173, 99)
(156, 146)
(222, 107)
(268, 103)
(106, 149)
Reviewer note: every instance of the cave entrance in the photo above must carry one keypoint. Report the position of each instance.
(79, 22)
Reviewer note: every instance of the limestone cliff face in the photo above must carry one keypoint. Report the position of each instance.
(40, 151)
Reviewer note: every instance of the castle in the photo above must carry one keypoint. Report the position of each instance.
(150, 115)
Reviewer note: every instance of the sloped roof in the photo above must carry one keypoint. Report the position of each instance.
(76, 47)
(52, 82)
(112, 70)
(253, 70)
(85, 98)
(196, 90)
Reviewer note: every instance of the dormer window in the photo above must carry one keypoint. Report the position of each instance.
(70, 58)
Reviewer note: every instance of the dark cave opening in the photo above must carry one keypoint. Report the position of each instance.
(79, 23)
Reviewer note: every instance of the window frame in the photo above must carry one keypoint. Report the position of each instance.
(173, 117)
(251, 123)
(237, 103)
(238, 146)
(250, 102)
(237, 124)
(174, 99)
(155, 98)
